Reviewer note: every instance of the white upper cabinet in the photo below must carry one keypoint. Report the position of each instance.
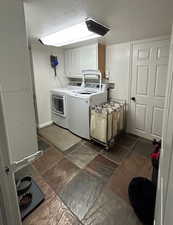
(89, 57)
(85, 57)
(72, 62)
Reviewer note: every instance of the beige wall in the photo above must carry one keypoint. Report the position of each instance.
(44, 78)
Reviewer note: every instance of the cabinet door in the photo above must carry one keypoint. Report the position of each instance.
(79, 59)
(75, 62)
(72, 62)
(89, 57)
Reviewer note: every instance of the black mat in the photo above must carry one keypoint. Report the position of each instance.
(37, 199)
(142, 196)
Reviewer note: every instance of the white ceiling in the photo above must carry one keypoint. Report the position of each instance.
(128, 19)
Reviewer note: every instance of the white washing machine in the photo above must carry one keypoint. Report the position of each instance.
(70, 106)
(79, 104)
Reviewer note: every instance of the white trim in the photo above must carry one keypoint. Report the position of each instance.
(27, 160)
(141, 41)
(45, 124)
(160, 38)
(149, 137)
(129, 86)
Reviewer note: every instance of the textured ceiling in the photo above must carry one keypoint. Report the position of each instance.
(128, 19)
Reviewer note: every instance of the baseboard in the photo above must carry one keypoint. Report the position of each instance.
(45, 124)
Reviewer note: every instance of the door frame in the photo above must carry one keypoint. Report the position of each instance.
(9, 210)
(132, 43)
(164, 201)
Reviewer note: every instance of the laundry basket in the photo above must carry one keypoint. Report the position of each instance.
(107, 121)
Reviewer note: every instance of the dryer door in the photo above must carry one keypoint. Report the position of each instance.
(79, 116)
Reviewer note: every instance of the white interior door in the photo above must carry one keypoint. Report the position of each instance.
(148, 84)
(18, 141)
(9, 210)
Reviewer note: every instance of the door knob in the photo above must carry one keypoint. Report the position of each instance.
(133, 99)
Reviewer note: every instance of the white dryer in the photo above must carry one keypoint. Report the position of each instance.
(59, 107)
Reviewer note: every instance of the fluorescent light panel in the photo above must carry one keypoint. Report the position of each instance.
(74, 34)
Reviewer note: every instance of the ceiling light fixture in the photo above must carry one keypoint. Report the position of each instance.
(71, 35)
(96, 27)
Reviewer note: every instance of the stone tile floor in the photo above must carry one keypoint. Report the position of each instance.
(86, 185)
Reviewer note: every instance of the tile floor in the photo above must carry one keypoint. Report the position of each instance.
(85, 185)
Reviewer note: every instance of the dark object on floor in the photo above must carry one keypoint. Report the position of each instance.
(25, 200)
(155, 163)
(37, 199)
(155, 176)
(157, 143)
(142, 195)
(155, 156)
(23, 185)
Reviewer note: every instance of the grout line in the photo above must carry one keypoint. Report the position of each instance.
(58, 195)
(68, 207)
(115, 162)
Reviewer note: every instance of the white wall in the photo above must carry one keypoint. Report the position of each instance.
(15, 81)
(45, 79)
(118, 68)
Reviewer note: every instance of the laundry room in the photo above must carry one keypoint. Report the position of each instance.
(87, 125)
